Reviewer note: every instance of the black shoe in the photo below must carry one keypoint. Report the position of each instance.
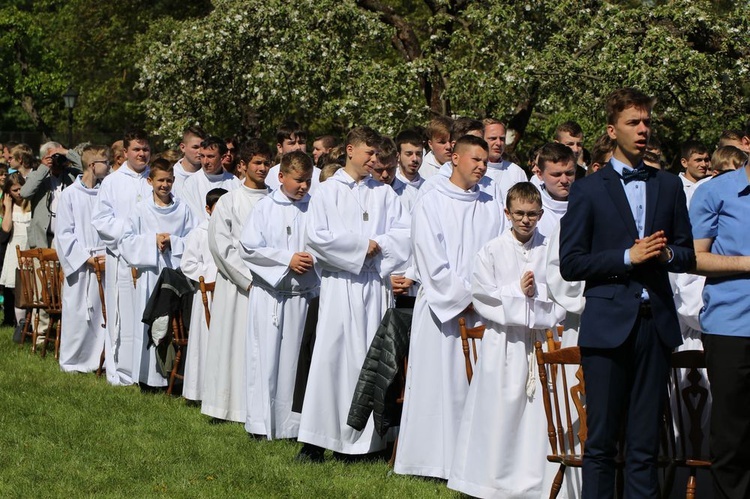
(310, 454)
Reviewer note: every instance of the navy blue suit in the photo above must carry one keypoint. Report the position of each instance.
(625, 346)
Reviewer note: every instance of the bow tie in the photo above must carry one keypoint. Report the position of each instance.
(636, 174)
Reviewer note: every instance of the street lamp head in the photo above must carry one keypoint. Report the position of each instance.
(70, 96)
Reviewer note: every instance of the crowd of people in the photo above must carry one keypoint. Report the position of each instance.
(308, 255)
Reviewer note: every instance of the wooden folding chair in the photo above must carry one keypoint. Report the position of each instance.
(28, 296)
(562, 399)
(686, 408)
(99, 269)
(51, 279)
(206, 289)
(470, 335)
(180, 342)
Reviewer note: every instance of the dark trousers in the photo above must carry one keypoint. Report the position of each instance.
(728, 365)
(626, 386)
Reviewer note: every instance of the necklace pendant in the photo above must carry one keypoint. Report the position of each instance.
(365, 216)
(288, 230)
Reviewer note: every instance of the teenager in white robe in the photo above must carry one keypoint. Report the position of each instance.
(141, 248)
(502, 441)
(197, 262)
(77, 244)
(449, 226)
(284, 280)
(224, 381)
(272, 180)
(359, 233)
(196, 187)
(118, 195)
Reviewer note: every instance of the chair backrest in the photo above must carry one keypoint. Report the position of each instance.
(688, 407)
(470, 335)
(27, 290)
(206, 289)
(563, 399)
(99, 269)
(51, 278)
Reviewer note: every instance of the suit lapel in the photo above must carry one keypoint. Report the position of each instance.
(652, 199)
(617, 193)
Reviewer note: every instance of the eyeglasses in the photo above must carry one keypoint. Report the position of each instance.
(102, 161)
(532, 215)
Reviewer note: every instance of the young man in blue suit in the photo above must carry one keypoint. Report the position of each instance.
(626, 227)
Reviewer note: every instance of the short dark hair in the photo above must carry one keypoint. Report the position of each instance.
(296, 161)
(471, 140)
(289, 128)
(728, 135)
(570, 127)
(523, 191)
(624, 98)
(462, 126)
(161, 165)
(691, 147)
(213, 195)
(134, 134)
(328, 140)
(195, 131)
(603, 147)
(555, 152)
(253, 147)
(213, 141)
(410, 137)
(387, 152)
(363, 135)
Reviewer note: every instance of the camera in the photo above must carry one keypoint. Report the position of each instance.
(59, 161)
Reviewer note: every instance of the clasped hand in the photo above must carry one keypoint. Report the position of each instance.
(653, 246)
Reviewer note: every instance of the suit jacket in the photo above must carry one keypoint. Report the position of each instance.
(37, 190)
(594, 234)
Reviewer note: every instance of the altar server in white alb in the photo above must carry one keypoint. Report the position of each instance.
(359, 232)
(290, 137)
(557, 172)
(190, 162)
(211, 176)
(224, 380)
(504, 172)
(502, 446)
(154, 240)
(78, 246)
(118, 195)
(449, 226)
(197, 262)
(284, 280)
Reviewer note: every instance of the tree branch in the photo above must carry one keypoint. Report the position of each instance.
(408, 43)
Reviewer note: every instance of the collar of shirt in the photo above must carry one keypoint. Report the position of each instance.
(741, 180)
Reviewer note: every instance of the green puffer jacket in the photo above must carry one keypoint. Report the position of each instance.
(376, 389)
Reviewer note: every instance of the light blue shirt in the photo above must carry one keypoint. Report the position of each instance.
(719, 210)
(635, 191)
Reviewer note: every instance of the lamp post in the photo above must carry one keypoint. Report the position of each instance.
(70, 97)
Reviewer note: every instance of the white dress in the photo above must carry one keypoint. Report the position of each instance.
(224, 382)
(76, 240)
(118, 195)
(138, 248)
(195, 187)
(502, 441)
(21, 221)
(354, 294)
(276, 312)
(506, 174)
(449, 226)
(196, 262)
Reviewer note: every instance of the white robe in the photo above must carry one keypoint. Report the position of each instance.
(486, 184)
(138, 248)
(416, 183)
(553, 212)
(430, 166)
(449, 226)
(180, 176)
(118, 195)
(354, 294)
(76, 240)
(406, 193)
(277, 310)
(506, 174)
(196, 186)
(196, 262)
(273, 183)
(223, 389)
(502, 444)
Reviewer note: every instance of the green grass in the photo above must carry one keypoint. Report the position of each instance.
(73, 435)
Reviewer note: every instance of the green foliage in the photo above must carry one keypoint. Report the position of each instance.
(73, 435)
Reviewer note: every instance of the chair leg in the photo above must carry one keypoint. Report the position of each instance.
(35, 332)
(392, 460)
(175, 367)
(557, 482)
(25, 328)
(46, 338)
(57, 338)
(690, 493)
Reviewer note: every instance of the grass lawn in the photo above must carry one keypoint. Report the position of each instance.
(73, 435)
